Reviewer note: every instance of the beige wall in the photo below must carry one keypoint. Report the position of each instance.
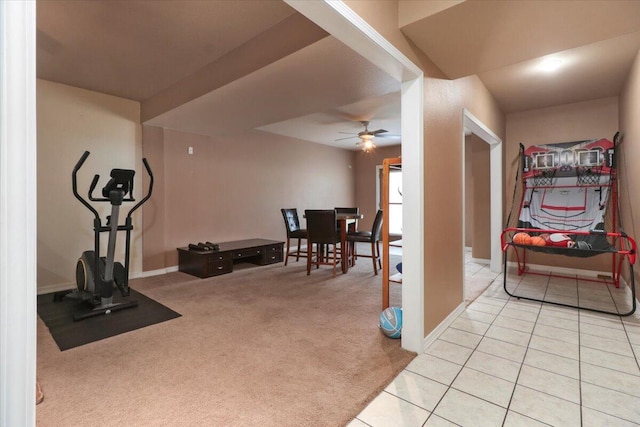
(70, 121)
(628, 155)
(365, 181)
(153, 214)
(481, 199)
(571, 122)
(233, 188)
(468, 192)
(443, 133)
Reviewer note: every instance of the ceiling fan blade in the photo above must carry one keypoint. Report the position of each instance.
(387, 136)
(348, 133)
(376, 132)
(348, 137)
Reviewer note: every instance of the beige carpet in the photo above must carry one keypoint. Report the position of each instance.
(262, 346)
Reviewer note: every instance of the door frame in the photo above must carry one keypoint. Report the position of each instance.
(478, 128)
(18, 227)
(379, 186)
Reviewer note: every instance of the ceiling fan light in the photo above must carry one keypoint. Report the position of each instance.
(368, 146)
(366, 137)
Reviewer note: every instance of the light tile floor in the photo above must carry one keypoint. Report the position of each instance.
(510, 362)
(477, 276)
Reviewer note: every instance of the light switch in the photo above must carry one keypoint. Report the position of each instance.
(190, 151)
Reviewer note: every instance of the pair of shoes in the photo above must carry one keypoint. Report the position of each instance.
(213, 246)
(202, 247)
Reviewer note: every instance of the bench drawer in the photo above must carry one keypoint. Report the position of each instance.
(215, 268)
(219, 256)
(247, 253)
(273, 254)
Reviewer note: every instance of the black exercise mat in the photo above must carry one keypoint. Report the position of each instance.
(58, 316)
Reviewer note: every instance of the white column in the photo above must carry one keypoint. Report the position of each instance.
(17, 213)
(413, 226)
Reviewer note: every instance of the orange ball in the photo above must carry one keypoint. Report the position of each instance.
(538, 241)
(522, 238)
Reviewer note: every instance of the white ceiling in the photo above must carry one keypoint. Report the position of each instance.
(339, 126)
(503, 42)
(135, 49)
(294, 95)
(594, 71)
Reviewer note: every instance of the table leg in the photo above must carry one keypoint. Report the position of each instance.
(343, 246)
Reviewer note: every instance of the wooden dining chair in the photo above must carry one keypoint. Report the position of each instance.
(322, 231)
(292, 225)
(373, 237)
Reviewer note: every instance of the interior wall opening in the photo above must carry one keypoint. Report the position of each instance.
(340, 21)
(477, 217)
(482, 206)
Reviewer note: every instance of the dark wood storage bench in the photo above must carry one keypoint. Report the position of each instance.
(213, 263)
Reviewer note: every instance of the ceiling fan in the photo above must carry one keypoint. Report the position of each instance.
(366, 136)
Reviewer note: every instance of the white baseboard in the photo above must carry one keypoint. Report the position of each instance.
(157, 272)
(57, 287)
(481, 261)
(439, 330)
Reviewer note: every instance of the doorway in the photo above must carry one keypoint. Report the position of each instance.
(482, 206)
(395, 198)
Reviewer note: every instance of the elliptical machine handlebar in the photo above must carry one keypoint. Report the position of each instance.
(74, 182)
(94, 183)
(145, 198)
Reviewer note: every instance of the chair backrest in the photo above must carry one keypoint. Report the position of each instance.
(348, 210)
(376, 229)
(291, 221)
(321, 226)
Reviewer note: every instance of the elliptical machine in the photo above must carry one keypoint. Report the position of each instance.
(96, 276)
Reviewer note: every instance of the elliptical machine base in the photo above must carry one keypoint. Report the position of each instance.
(88, 292)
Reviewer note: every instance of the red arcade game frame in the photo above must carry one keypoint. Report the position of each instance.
(569, 206)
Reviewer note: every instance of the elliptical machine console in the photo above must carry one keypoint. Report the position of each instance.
(96, 276)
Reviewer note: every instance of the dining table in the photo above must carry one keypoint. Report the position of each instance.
(344, 220)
